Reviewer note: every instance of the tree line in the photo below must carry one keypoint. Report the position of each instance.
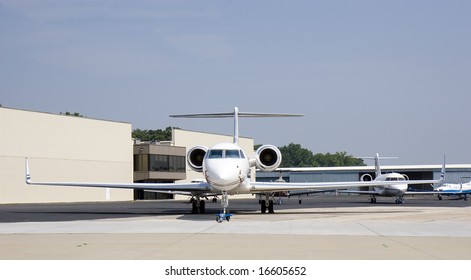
(296, 156)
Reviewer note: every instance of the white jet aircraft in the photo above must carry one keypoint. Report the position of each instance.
(226, 168)
(399, 186)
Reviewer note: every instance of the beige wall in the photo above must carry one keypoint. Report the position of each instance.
(189, 139)
(62, 148)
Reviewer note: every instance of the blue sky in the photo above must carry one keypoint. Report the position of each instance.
(388, 77)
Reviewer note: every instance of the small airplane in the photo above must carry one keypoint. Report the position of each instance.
(398, 189)
(461, 190)
(226, 168)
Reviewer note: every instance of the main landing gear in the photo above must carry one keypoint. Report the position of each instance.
(267, 204)
(198, 206)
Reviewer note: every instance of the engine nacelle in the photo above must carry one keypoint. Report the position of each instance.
(268, 158)
(195, 157)
(366, 177)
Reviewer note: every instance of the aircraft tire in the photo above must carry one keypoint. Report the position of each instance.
(270, 207)
(202, 207)
(194, 208)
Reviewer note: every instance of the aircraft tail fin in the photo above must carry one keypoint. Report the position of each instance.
(442, 173)
(236, 114)
(377, 163)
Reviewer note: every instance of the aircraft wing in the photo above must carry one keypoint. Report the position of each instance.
(375, 192)
(421, 192)
(359, 192)
(278, 186)
(168, 187)
(164, 187)
(308, 192)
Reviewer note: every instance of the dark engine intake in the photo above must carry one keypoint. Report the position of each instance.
(195, 158)
(268, 158)
(366, 177)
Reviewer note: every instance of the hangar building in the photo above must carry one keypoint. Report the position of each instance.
(62, 148)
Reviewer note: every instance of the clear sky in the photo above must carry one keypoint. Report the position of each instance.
(387, 77)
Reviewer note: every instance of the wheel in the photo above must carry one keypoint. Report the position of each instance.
(194, 208)
(202, 207)
(263, 207)
(270, 207)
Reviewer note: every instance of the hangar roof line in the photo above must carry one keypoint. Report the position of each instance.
(372, 168)
(62, 115)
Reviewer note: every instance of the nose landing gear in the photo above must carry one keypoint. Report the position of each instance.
(220, 217)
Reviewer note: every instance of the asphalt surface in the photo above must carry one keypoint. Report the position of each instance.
(325, 227)
(181, 209)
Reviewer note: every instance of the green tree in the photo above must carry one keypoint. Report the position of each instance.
(296, 156)
(337, 159)
(153, 135)
(73, 114)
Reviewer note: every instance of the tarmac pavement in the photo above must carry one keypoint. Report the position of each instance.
(324, 227)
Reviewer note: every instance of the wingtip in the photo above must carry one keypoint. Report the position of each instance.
(28, 174)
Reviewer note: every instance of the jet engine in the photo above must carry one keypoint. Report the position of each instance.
(195, 157)
(268, 158)
(366, 177)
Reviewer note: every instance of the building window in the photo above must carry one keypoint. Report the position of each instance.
(141, 162)
(166, 163)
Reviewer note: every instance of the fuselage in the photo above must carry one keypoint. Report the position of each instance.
(454, 187)
(392, 190)
(226, 168)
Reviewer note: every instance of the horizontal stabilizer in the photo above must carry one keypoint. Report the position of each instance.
(231, 115)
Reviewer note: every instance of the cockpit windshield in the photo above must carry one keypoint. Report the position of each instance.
(216, 153)
(232, 154)
(395, 179)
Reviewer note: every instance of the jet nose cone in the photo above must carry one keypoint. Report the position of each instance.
(222, 176)
(225, 177)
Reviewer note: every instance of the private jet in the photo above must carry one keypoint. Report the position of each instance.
(225, 168)
(397, 188)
